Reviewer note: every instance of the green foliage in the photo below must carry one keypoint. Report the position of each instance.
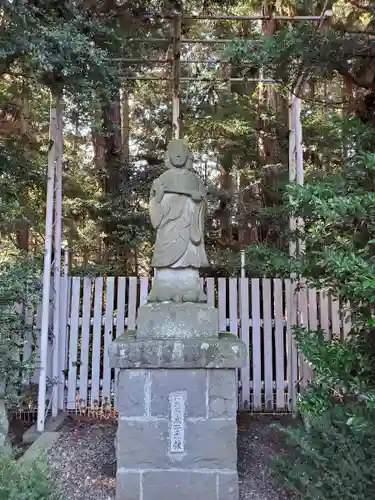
(339, 234)
(20, 290)
(28, 481)
(335, 459)
(334, 449)
(63, 45)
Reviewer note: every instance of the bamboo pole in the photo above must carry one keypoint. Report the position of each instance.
(47, 267)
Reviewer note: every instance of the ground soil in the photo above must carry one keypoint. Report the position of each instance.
(83, 460)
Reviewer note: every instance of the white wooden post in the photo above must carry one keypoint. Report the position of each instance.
(176, 115)
(47, 269)
(292, 302)
(299, 178)
(57, 259)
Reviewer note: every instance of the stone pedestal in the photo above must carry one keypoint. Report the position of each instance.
(177, 400)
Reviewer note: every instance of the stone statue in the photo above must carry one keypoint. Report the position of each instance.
(177, 210)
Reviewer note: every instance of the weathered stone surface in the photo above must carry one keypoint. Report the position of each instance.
(169, 320)
(228, 486)
(177, 285)
(225, 352)
(128, 485)
(163, 382)
(222, 394)
(209, 444)
(176, 485)
(130, 392)
(177, 209)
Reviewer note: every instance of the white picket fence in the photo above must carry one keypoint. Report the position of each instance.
(259, 311)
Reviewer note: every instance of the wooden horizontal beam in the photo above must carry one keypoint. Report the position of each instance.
(207, 17)
(252, 18)
(183, 61)
(202, 79)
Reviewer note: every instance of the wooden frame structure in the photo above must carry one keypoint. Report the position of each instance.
(53, 227)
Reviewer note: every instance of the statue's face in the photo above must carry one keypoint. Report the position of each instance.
(178, 153)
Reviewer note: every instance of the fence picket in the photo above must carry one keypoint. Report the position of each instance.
(120, 319)
(305, 372)
(233, 306)
(210, 288)
(63, 338)
(85, 335)
(67, 316)
(28, 340)
(324, 312)
(256, 354)
(303, 318)
(222, 304)
(335, 318)
(245, 401)
(291, 296)
(132, 303)
(73, 343)
(38, 325)
(96, 342)
(313, 311)
(346, 319)
(28, 336)
(279, 343)
(143, 290)
(267, 342)
(108, 337)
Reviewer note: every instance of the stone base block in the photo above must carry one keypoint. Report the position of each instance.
(177, 434)
(169, 320)
(176, 485)
(128, 485)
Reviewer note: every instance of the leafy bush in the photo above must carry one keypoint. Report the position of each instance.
(20, 288)
(335, 459)
(335, 448)
(25, 481)
(335, 456)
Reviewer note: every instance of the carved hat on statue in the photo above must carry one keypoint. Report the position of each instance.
(178, 154)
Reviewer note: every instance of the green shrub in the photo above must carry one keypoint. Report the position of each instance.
(335, 452)
(27, 481)
(20, 284)
(335, 459)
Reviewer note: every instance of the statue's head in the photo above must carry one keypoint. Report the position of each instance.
(178, 153)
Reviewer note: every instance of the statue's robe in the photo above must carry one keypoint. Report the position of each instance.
(179, 220)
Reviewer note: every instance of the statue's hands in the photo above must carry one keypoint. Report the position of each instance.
(197, 196)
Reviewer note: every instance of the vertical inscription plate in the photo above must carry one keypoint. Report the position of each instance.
(177, 421)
